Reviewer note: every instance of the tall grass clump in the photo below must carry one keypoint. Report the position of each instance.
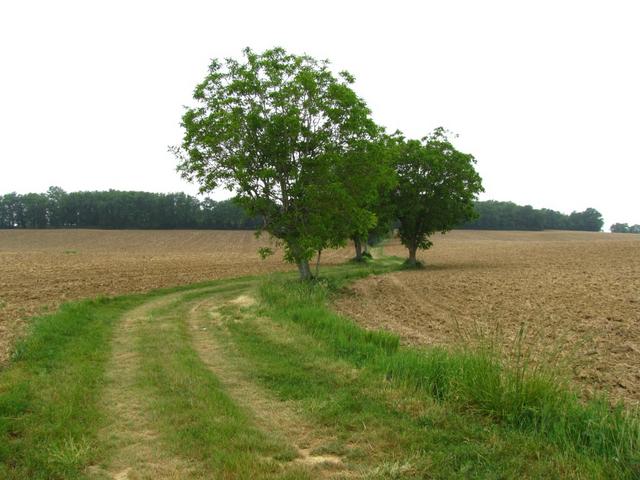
(516, 394)
(305, 304)
(524, 397)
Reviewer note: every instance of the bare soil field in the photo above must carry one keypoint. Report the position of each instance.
(576, 297)
(39, 269)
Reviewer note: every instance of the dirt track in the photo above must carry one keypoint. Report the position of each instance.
(577, 296)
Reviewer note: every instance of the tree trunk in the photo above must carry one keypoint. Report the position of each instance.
(358, 244)
(304, 269)
(318, 264)
(412, 255)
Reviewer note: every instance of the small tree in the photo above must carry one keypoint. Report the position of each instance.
(280, 130)
(437, 186)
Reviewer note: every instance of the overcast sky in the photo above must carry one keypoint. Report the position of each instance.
(545, 94)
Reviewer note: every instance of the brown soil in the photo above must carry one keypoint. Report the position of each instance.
(39, 269)
(575, 295)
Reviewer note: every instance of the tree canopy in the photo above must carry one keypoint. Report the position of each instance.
(375, 195)
(121, 209)
(284, 134)
(624, 228)
(495, 215)
(118, 209)
(437, 186)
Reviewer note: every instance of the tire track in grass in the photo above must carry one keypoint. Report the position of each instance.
(269, 414)
(137, 451)
(194, 413)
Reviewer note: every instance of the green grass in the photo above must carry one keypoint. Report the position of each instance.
(382, 427)
(388, 411)
(48, 394)
(518, 397)
(197, 418)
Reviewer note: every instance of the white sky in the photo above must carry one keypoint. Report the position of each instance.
(545, 94)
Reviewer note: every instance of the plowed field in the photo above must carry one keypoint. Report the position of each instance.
(574, 296)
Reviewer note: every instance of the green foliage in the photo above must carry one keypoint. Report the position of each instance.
(375, 195)
(287, 136)
(265, 252)
(590, 220)
(624, 228)
(620, 228)
(118, 209)
(494, 215)
(437, 185)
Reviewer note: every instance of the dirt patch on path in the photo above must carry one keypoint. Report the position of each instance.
(576, 295)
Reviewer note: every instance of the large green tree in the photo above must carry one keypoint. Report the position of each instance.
(283, 132)
(437, 186)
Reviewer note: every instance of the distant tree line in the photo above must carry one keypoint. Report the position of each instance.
(624, 228)
(494, 215)
(117, 209)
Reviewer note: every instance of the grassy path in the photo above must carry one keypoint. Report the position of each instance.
(256, 378)
(207, 321)
(134, 445)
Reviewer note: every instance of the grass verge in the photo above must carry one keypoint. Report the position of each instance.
(518, 397)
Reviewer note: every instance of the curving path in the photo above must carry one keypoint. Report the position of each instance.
(139, 442)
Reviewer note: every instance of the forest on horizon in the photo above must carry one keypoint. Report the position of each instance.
(115, 209)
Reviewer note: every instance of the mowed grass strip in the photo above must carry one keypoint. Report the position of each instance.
(384, 430)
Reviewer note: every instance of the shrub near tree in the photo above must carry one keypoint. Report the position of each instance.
(436, 189)
(286, 135)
